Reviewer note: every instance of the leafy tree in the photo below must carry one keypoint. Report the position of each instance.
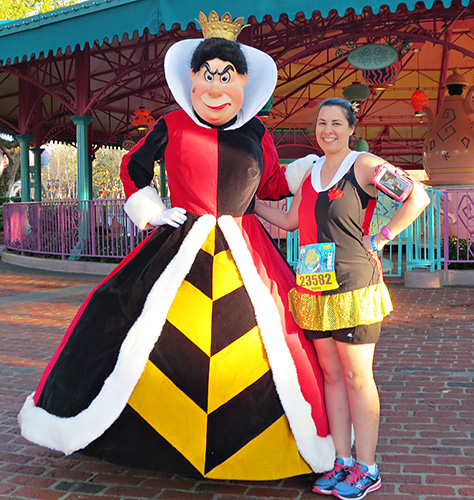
(14, 9)
(59, 178)
(11, 150)
(106, 173)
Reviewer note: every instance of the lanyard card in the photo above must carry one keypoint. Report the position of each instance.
(315, 270)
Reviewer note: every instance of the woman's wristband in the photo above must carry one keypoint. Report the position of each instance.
(385, 232)
(372, 243)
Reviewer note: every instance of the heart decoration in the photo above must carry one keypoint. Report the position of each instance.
(334, 194)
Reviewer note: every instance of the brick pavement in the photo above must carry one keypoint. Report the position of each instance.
(424, 370)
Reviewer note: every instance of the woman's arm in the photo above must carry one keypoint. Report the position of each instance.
(406, 214)
(284, 220)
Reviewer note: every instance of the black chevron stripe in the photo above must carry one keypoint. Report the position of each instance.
(131, 441)
(232, 316)
(241, 420)
(221, 244)
(183, 363)
(200, 274)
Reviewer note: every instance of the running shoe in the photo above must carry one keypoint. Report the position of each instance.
(358, 483)
(326, 483)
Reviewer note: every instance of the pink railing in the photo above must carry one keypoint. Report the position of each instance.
(70, 229)
(100, 229)
(77, 229)
(458, 237)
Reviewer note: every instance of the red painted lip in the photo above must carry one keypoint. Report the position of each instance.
(222, 106)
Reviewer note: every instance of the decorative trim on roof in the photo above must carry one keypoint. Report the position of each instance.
(93, 21)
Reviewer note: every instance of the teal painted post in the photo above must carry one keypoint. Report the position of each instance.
(84, 179)
(25, 165)
(84, 173)
(37, 173)
(423, 245)
(437, 195)
(292, 242)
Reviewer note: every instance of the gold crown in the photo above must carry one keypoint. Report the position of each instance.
(221, 28)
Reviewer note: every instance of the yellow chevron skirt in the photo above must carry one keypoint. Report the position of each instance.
(218, 409)
(166, 366)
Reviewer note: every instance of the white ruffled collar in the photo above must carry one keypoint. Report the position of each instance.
(341, 171)
(261, 80)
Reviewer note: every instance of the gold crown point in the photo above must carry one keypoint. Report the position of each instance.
(221, 28)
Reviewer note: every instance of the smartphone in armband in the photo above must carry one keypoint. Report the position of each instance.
(392, 181)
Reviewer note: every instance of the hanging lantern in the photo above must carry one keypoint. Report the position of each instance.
(361, 145)
(419, 100)
(382, 78)
(356, 92)
(142, 119)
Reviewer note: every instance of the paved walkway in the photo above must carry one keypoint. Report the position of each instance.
(424, 369)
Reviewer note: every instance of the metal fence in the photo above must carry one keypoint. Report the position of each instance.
(71, 229)
(441, 236)
(458, 229)
(419, 246)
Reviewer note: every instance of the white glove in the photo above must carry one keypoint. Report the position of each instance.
(172, 216)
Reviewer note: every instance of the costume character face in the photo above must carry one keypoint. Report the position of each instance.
(217, 92)
(333, 129)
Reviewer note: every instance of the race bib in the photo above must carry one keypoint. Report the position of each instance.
(315, 269)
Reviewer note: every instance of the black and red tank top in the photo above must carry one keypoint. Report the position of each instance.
(341, 214)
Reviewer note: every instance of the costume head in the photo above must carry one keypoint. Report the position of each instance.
(256, 72)
(218, 76)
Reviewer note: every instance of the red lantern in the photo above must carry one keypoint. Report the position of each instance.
(142, 119)
(418, 101)
(382, 78)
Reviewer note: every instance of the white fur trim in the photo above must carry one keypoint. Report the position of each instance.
(296, 169)
(344, 167)
(318, 452)
(74, 433)
(144, 205)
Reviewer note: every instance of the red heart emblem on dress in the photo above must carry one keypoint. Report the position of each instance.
(334, 194)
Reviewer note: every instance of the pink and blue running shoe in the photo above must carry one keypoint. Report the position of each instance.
(357, 483)
(327, 482)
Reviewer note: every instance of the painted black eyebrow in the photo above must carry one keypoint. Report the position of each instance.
(220, 73)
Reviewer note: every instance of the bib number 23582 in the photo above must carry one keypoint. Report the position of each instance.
(315, 270)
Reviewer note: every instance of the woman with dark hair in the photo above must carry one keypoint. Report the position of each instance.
(186, 358)
(340, 298)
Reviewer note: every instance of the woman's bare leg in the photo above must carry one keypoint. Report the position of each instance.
(335, 395)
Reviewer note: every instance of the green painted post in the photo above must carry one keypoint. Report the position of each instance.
(83, 165)
(84, 182)
(37, 173)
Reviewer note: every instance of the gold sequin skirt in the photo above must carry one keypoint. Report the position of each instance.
(364, 306)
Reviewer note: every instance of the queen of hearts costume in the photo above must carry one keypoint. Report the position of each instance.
(186, 357)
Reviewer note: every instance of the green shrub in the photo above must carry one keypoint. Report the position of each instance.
(460, 249)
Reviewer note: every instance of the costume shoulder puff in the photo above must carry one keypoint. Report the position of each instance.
(296, 170)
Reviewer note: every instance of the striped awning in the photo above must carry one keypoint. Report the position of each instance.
(99, 20)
